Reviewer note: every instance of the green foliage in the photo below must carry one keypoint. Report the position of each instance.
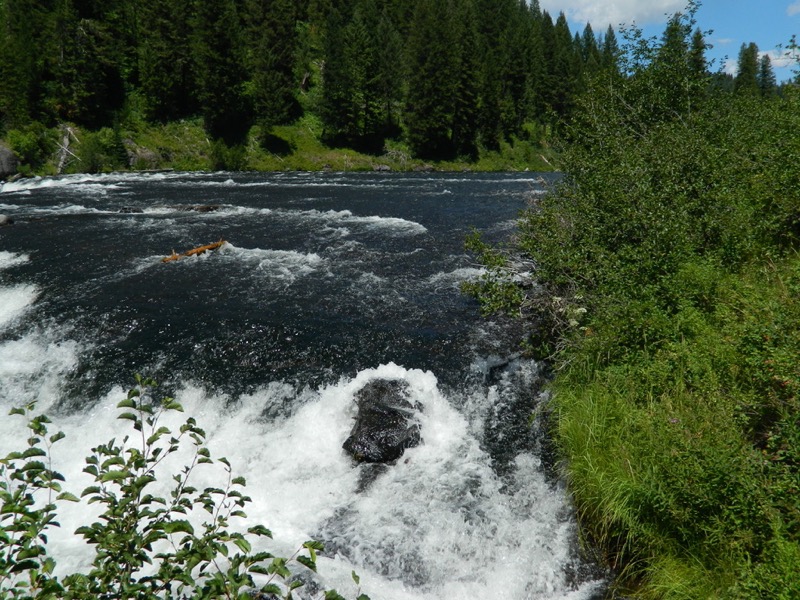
(147, 545)
(32, 145)
(676, 396)
(29, 489)
(101, 151)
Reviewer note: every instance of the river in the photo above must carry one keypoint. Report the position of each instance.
(327, 281)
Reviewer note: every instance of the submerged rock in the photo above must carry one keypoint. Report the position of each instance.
(384, 425)
(6, 220)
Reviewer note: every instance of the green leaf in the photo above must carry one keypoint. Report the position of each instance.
(48, 565)
(355, 577)
(67, 496)
(23, 565)
(271, 588)
(333, 595)
(57, 436)
(115, 475)
(17, 411)
(308, 562)
(171, 404)
(31, 452)
(180, 526)
(127, 403)
(278, 566)
(314, 545)
(243, 545)
(129, 416)
(114, 460)
(260, 530)
(157, 435)
(239, 481)
(92, 489)
(363, 597)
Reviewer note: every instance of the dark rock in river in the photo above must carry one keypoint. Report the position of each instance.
(384, 425)
(6, 220)
(8, 162)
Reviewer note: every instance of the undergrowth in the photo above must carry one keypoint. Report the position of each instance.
(665, 293)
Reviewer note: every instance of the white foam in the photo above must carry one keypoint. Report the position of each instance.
(339, 218)
(14, 301)
(285, 266)
(439, 514)
(12, 259)
(453, 279)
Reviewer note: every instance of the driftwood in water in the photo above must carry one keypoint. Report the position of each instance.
(193, 251)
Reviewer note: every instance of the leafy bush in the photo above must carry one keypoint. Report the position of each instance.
(33, 145)
(676, 398)
(101, 151)
(146, 546)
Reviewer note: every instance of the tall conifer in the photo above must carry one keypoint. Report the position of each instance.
(432, 80)
(767, 82)
(166, 67)
(746, 81)
(221, 76)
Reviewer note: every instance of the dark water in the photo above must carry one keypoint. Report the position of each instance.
(327, 281)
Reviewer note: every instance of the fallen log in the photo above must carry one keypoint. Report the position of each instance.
(193, 251)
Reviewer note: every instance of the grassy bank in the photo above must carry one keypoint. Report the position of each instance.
(683, 457)
(184, 146)
(668, 302)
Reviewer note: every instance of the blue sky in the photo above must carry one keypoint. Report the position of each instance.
(768, 23)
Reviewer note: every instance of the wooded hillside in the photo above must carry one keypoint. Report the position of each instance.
(446, 77)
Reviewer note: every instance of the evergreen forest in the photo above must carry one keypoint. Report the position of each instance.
(436, 79)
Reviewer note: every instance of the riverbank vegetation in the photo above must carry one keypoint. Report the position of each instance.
(248, 84)
(156, 534)
(667, 297)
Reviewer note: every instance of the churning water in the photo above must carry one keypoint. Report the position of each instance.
(327, 281)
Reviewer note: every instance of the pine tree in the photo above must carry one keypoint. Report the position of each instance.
(85, 82)
(767, 83)
(271, 60)
(221, 75)
(610, 53)
(432, 81)
(335, 105)
(565, 68)
(590, 53)
(390, 71)
(537, 67)
(166, 67)
(20, 60)
(746, 81)
(465, 127)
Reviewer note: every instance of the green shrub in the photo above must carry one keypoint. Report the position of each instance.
(33, 146)
(146, 546)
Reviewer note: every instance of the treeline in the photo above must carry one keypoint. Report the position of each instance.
(445, 76)
(665, 290)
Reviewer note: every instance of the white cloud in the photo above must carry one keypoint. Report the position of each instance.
(779, 58)
(793, 9)
(602, 13)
